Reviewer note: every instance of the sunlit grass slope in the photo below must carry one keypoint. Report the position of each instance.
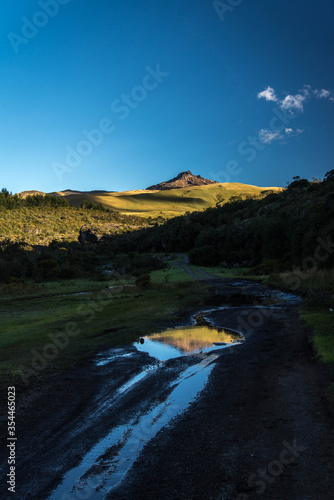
(41, 225)
(173, 202)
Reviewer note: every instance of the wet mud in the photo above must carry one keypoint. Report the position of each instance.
(197, 411)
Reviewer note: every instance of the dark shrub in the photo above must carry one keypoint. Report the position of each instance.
(204, 256)
(300, 183)
(143, 281)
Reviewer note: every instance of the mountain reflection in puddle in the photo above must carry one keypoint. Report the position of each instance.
(195, 339)
(110, 459)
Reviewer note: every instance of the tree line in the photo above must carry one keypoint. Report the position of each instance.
(282, 228)
(10, 201)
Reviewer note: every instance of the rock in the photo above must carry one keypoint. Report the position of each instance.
(183, 180)
(88, 235)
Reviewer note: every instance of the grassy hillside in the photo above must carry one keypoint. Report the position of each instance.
(170, 203)
(39, 219)
(41, 225)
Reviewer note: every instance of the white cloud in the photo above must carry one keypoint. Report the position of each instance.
(293, 102)
(267, 136)
(268, 94)
(293, 133)
(323, 94)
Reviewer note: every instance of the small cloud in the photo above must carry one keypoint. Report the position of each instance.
(267, 136)
(307, 90)
(323, 94)
(268, 94)
(294, 102)
(290, 131)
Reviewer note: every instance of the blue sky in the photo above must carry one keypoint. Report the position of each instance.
(122, 94)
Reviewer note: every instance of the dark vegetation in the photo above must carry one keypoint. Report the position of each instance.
(272, 234)
(58, 261)
(9, 201)
(276, 232)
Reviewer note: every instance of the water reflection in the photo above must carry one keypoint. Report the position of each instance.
(187, 340)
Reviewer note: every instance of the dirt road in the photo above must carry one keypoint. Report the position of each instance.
(182, 262)
(260, 428)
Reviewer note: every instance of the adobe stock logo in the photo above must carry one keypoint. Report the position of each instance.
(227, 6)
(30, 28)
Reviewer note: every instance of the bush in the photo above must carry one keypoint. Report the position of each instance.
(268, 267)
(90, 205)
(68, 272)
(137, 264)
(329, 176)
(4, 271)
(299, 183)
(144, 281)
(204, 256)
(319, 299)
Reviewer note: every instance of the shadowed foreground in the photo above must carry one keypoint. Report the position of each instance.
(261, 427)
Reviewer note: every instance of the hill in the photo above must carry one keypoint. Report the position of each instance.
(182, 180)
(68, 192)
(38, 218)
(169, 203)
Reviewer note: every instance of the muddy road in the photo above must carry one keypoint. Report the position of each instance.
(236, 411)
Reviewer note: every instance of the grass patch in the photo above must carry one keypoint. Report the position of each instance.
(322, 323)
(222, 272)
(101, 320)
(316, 286)
(304, 281)
(172, 275)
(176, 275)
(27, 290)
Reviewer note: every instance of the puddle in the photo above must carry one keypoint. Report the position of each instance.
(287, 298)
(137, 378)
(187, 340)
(106, 358)
(107, 463)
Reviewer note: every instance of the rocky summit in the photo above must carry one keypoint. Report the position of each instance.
(183, 180)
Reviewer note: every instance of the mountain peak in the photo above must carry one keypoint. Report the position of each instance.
(182, 180)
